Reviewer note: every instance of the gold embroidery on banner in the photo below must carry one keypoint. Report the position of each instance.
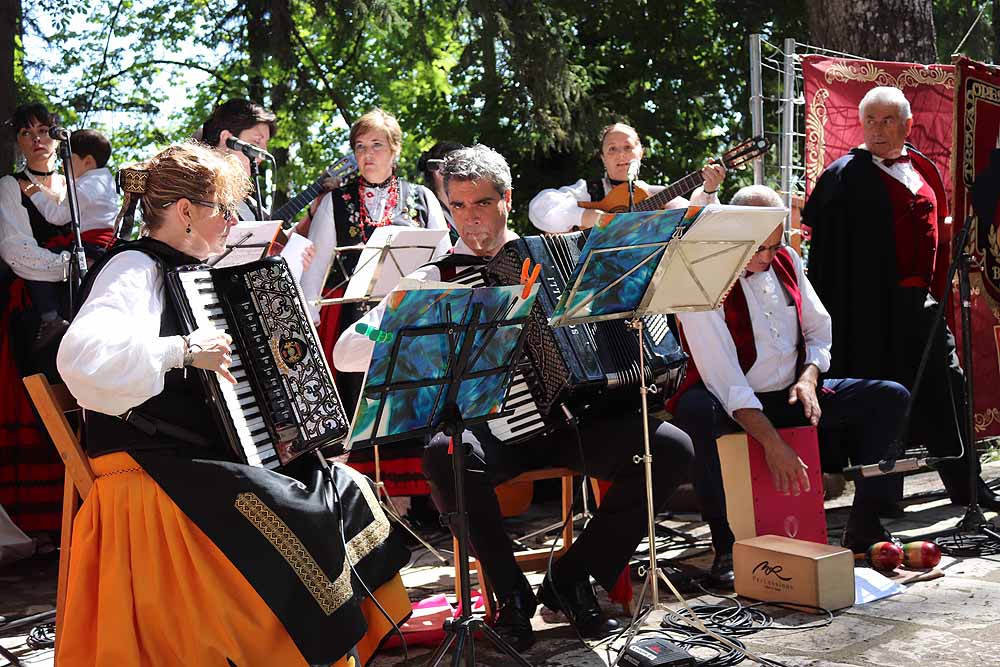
(984, 419)
(816, 134)
(909, 77)
(329, 595)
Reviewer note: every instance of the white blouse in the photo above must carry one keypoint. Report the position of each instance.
(18, 246)
(112, 357)
(323, 233)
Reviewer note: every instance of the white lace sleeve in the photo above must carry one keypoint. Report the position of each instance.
(17, 244)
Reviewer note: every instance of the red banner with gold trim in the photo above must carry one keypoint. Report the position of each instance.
(834, 88)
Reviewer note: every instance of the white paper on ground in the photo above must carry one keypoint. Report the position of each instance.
(14, 544)
(870, 585)
(292, 252)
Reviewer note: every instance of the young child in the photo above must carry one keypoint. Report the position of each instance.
(98, 202)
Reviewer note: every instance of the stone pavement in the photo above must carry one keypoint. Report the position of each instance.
(953, 621)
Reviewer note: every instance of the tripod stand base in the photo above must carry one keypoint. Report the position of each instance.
(461, 634)
(973, 536)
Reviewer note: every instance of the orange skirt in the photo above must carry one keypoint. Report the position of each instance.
(148, 587)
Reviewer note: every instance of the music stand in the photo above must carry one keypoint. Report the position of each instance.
(660, 262)
(390, 253)
(442, 361)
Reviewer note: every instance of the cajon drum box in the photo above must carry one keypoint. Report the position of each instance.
(779, 569)
(754, 506)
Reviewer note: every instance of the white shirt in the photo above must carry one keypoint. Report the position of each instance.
(556, 211)
(96, 197)
(904, 172)
(776, 334)
(18, 247)
(323, 233)
(112, 357)
(353, 350)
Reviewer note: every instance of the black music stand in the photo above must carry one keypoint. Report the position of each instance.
(637, 264)
(482, 343)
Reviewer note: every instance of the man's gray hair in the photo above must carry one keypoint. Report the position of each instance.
(477, 163)
(886, 95)
(757, 195)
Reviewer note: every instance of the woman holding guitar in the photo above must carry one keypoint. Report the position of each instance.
(562, 210)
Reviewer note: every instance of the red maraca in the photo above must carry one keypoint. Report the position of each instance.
(921, 555)
(885, 556)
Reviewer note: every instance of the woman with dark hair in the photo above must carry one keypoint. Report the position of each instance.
(182, 555)
(246, 121)
(30, 470)
(430, 166)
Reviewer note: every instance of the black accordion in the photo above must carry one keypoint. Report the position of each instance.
(284, 403)
(572, 364)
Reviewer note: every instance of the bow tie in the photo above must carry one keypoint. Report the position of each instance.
(889, 161)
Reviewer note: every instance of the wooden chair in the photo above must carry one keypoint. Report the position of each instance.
(530, 559)
(52, 403)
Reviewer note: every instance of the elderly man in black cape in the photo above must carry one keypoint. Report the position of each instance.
(876, 215)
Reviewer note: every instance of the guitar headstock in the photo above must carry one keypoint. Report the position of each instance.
(743, 152)
(340, 171)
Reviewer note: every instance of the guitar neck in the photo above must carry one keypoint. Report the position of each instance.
(676, 189)
(290, 208)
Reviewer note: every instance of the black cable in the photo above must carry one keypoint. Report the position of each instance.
(343, 539)
(41, 636)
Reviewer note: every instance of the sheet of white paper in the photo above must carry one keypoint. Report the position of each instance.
(870, 585)
(292, 252)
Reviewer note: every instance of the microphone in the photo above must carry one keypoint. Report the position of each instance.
(250, 150)
(59, 133)
(633, 171)
(856, 473)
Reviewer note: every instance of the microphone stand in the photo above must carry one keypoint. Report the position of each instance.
(255, 178)
(78, 260)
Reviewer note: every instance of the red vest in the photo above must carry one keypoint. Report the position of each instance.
(737, 315)
(915, 223)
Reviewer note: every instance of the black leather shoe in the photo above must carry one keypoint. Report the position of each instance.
(859, 543)
(514, 620)
(721, 575)
(48, 332)
(577, 600)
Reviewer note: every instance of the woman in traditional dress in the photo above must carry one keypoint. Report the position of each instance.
(556, 210)
(181, 555)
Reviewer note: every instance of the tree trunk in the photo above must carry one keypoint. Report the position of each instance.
(10, 25)
(900, 30)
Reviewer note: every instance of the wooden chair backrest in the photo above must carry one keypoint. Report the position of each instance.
(52, 403)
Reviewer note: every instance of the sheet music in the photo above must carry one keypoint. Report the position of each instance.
(248, 241)
(292, 252)
(391, 253)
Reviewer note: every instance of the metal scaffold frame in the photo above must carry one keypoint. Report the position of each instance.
(780, 115)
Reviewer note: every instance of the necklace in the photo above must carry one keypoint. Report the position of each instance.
(369, 184)
(41, 173)
(392, 198)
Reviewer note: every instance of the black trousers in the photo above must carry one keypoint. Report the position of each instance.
(865, 412)
(610, 436)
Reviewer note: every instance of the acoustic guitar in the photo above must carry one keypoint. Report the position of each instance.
(339, 172)
(616, 201)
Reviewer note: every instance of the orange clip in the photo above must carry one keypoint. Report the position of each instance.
(525, 267)
(529, 282)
